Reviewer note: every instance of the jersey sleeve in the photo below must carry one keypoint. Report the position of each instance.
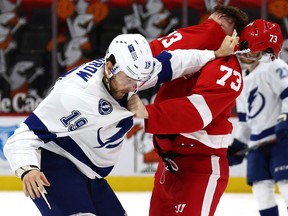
(278, 78)
(240, 106)
(41, 126)
(174, 64)
(49, 121)
(218, 85)
(242, 131)
(25, 139)
(207, 35)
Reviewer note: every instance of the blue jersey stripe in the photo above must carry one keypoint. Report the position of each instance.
(263, 134)
(284, 94)
(242, 117)
(71, 146)
(166, 72)
(37, 126)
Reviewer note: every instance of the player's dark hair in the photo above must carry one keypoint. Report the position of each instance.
(239, 17)
(112, 59)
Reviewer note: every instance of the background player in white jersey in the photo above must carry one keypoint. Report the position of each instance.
(262, 110)
(72, 140)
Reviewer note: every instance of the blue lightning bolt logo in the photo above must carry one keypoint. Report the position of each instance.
(124, 126)
(255, 108)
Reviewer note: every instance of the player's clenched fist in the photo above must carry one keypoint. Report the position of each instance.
(136, 106)
(227, 47)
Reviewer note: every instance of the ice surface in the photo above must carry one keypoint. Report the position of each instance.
(137, 204)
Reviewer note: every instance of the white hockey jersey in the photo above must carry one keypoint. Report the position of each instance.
(263, 98)
(81, 121)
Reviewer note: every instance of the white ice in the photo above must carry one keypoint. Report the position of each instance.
(137, 204)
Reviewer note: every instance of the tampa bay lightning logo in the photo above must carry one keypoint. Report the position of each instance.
(256, 102)
(104, 107)
(5, 133)
(116, 139)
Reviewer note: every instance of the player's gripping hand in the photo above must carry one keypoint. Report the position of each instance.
(33, 183)
(227, 47)
(281, 129)
(233, 149)
(136, 106)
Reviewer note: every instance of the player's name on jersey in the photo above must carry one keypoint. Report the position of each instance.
(89, 69)
(20, 103)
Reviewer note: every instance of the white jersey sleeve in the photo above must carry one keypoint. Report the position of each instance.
(22, 148)
(278, 76)
(170, 65)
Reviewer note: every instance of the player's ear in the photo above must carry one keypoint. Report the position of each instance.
(109, 67)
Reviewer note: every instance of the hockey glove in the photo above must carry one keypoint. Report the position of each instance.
(281, 129)
(233, 149)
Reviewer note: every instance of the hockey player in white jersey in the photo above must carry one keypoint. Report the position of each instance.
(72, 140)
(263, 110)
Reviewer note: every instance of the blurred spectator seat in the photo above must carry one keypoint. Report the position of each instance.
(34, 42)
(40, 19)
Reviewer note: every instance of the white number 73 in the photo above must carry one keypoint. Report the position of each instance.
(273, 38)
(229, 72)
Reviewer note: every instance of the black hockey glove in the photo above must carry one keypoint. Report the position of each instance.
(233, 149)
(281, 129)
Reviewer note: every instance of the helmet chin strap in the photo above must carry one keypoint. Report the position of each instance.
(107, 78)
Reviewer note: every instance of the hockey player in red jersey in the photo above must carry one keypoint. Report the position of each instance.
(193, 112)
(191, 127)
(191, 135)
(190, 121)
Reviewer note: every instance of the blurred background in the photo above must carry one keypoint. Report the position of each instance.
(41, 39)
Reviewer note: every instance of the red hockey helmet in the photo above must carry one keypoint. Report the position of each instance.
(262, 35)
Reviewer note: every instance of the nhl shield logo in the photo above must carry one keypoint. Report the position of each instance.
(5, 133)
(104, 107)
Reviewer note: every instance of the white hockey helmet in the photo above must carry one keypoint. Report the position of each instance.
(133, 56)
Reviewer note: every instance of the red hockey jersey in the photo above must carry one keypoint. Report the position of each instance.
(196, 109)
(208, 35)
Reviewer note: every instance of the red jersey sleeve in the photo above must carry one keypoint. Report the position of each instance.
(208, 35)
(193, 105)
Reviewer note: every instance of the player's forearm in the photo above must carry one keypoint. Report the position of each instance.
(172, 117)
(185, 62)
(17, 158)
(22, 149)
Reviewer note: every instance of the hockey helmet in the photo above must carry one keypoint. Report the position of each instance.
(133, 56)
(262, 35)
